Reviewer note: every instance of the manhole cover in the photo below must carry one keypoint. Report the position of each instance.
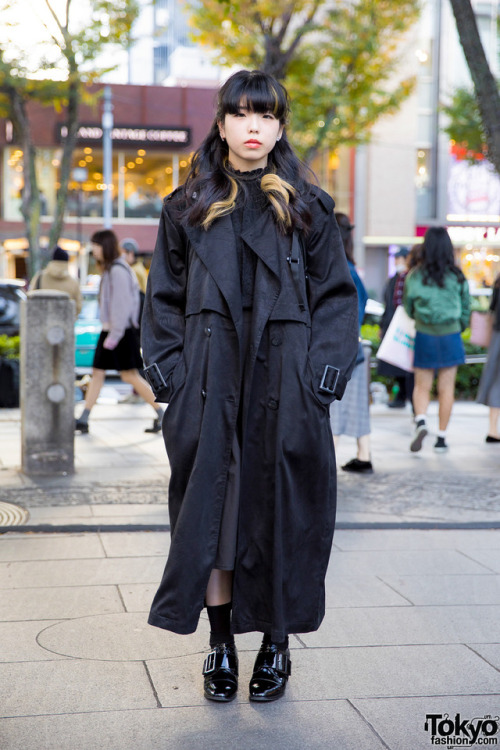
(12, 515)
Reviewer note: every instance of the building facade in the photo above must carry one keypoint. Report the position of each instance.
(155, 131)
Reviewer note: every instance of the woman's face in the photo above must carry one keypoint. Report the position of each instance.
(250, 137)
(97, 252)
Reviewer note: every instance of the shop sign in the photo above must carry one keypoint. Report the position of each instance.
(130, 135)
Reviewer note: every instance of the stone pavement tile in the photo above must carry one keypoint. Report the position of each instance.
(137, 597)
(58, 514)
(237, 726)
(96, 572)
(398, 539)
(50, 547)
(329, 674)
(362, 591)
(136, 543)
(490, 652)
(405, 562)
(374, 626)
(58, 603)
(18, 644)
(446, 590)
(132, 509)
(489, 558)
(401, 721)
(72, 686)
(118, 637)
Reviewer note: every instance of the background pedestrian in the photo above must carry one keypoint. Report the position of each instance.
(436, 296)
(118, 345)
(489, 385)
(351, 416)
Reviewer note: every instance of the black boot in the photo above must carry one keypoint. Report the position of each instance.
(221, 673)
(271, 671)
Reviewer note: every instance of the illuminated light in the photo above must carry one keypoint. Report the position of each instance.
(321, 123)
(97, 176)
(452, 142)
(421, 154)
(19, 169)
(131, 164)
(336, 121)
(422, 170)
(87, 150)
(183, 163)
(169, 170)
(421, 55)
(89, 158)
(141, 152)
(469, 257)
(226, 25)
(82, 163)
(149, 181)
(139, 160)
(55, 162)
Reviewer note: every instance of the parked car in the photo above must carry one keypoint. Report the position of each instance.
(11, 296)
(87, 330)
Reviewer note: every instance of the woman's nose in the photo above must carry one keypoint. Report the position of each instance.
(253, 122)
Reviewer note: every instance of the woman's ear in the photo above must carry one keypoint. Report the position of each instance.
(221, 131)
(280, 133)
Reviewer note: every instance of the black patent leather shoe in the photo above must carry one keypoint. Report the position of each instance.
(220, 671)
(271, 671)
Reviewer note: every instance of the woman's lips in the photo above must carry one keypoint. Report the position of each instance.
(253, 144)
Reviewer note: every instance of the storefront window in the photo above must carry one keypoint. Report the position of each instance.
(141, 180)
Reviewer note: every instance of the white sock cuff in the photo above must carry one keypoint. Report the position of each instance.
(420, 418)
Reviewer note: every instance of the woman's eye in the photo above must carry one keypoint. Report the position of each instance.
(269, 116)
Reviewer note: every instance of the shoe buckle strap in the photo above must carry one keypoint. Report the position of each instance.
(209, 663)
(282, 663)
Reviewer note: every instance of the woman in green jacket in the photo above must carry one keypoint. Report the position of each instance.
(436, 295)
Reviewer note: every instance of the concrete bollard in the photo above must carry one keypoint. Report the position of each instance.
(47, 383)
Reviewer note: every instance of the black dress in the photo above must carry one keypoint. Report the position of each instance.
(250, 203)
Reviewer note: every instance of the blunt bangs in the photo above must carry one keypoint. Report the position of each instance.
(257, 91)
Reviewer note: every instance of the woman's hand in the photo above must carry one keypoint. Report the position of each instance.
(110, 343)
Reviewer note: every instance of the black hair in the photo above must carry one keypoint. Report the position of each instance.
(108, 240)
(438, 257)
(211, 188)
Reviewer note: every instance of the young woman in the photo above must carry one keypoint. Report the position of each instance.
(489, 386)
(249, 356)
(118, 345)
(436, 295)
(352, 415)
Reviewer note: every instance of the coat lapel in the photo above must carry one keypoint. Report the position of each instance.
(216, 249)
(262, 238)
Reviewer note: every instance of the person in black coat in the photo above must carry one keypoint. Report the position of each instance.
(249, 332)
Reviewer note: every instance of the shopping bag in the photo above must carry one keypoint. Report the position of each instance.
(481, 328)
(398, 344)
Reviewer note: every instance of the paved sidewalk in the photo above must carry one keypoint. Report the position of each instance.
(411, 627)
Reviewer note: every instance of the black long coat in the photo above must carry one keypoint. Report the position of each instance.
(192, 343)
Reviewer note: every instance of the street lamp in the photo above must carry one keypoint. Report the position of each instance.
(79, 175)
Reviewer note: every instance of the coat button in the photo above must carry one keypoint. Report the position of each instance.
(276, 341)
(208, 331)
(273, 403)
(203, 393)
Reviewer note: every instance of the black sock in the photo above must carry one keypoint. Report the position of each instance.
(84, 417)
(267, 640)
(220, 624)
